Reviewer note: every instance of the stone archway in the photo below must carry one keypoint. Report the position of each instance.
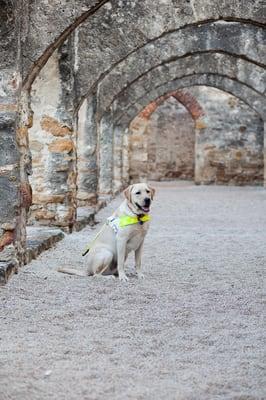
(175, 137)
(97, 64)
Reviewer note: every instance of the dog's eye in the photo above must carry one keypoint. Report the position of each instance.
(148, 191)
(137, 193)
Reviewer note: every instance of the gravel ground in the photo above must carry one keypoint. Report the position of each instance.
(193, 329)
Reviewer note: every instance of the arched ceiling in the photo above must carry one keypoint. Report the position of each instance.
(213, 80)
(175, 51)
(106, 32)
(236, 69)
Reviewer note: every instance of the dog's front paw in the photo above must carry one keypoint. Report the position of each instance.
(140, 275)
(123, 277)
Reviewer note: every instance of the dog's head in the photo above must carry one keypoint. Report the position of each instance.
(139, 197)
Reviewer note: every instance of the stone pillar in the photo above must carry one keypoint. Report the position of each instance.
(53, 144)
(200, 125)
(264, 156)
(105, 156)
(125, 160)
(14, 194)
(118, 161)
(87, 153)
(138, 149)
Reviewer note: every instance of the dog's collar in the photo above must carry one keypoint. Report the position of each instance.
(125, 220)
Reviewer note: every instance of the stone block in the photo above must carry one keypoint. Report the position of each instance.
(63, 145)
(54, 127)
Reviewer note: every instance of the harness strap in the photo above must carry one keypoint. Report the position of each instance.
(127, 220)
(116, 222)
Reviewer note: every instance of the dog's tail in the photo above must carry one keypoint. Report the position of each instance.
(73, 271)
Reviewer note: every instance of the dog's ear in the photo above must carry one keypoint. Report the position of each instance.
(127, 192)
(152, 191)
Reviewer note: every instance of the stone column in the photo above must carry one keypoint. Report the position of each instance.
(138, 148)
(105, 156)
(15, 195)
(118, 161)
(53, 143)
(125, 160)
(200, 128)
(87, 153)
(264, 157)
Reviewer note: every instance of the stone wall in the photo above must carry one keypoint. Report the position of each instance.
(52, 145)
(171, 142)
(229, 149)
(162, 147)
(229, 141)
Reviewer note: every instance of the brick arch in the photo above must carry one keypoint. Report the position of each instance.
(183, 97)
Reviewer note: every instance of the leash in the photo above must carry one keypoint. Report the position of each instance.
(91, 243)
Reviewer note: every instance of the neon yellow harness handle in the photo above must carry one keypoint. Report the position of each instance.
(127, 220)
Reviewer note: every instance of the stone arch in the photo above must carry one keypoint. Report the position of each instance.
(183, 97)
(235, 69)
(65, 21)
(249, 96)
(178, 128)
(38, 36)
(215, 81)
(208, 37)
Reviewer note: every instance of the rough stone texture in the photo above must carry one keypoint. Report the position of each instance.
(52, 146)
(124, 117)
(40, 239)
(230, 148)
(85, 216)
(110, 27)
(164, 149)
(87, 153)
(240, 77)
(171, 143)
(193, 329)
(118, 183)
(10, 156)
(209, 42)
(105, 157)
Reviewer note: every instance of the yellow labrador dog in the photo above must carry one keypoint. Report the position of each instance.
(123, 232)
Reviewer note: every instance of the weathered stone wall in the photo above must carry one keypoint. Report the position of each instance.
(229, 145)
(162, 147)
(230, 148)
(171, 142)
(87, 167)
(52, 145)
(12, 234)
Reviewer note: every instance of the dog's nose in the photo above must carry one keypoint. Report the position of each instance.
(147, 201)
